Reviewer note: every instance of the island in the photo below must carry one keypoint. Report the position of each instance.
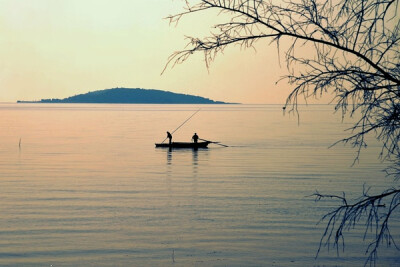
(131, 96)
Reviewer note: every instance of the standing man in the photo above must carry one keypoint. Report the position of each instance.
(195, 137)
(169, 136)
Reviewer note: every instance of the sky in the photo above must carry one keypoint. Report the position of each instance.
(59, 48)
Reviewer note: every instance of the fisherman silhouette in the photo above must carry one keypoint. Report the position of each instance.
(195, 137)
(169, 136)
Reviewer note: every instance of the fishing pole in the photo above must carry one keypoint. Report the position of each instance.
(182, 124)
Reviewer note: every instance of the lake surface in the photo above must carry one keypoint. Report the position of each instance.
(83, 185)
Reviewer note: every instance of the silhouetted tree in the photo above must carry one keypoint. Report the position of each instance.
(356, 46)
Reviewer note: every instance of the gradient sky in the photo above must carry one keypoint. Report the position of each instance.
(59, 48)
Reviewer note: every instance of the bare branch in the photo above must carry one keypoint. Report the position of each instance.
(376, 210)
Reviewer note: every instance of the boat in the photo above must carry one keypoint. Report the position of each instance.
(184, 145)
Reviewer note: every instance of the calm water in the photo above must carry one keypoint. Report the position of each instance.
(87, 187)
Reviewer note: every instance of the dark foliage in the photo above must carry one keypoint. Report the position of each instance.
(133, 96)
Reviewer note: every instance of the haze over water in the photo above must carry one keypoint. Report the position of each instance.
(87, 187)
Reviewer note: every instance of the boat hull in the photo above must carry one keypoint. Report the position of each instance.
(183, 145)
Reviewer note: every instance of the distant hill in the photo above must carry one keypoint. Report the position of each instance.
(131, 96)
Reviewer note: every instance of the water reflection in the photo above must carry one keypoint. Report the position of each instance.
(195, 158)
(195, 154)
(169, 156)
(181, 158)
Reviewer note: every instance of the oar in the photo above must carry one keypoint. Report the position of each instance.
(217, 143)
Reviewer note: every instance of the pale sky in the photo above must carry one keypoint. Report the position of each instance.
(59, 48)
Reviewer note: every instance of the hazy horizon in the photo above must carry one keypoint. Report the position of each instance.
(55, 49)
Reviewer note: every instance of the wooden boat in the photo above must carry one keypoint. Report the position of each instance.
(184, 144)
